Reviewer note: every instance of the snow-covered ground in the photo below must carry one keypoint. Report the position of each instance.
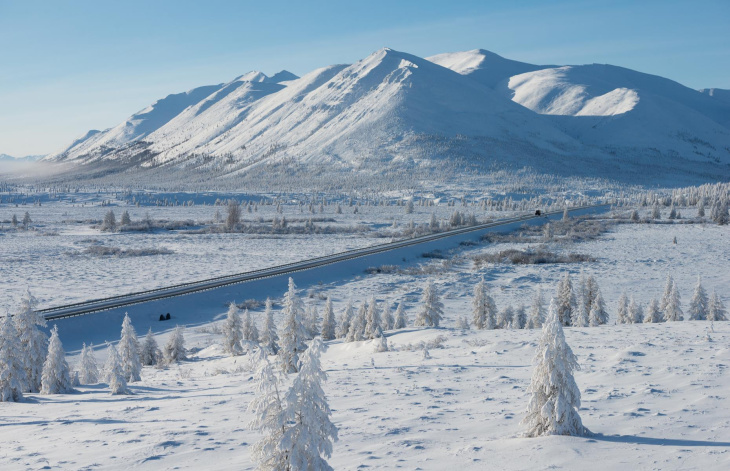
(655, 396)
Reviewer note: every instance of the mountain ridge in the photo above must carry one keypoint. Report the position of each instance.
(393, 107)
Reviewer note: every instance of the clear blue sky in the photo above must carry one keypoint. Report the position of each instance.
(70, 66)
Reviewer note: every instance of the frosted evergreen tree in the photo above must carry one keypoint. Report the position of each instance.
(150, 354)
(698, 305)
(381, 343)
(554, 395)
(372, 322)
(13, 380)
(388, 320)
(270, 337)
(311, 434)
(248, 329)
(598, 315)
(110, 222)
(33, 341)
(520, 318)
(343, 326)
(328, 321)
(114, 373)
(401, 318)
(668, 286)
(566, 302)
(537, 311)
(622, 314)
(233, 331)
(174, 349)
(504, 319)
(653, 313)
(636, 313)
(269, 419)
(655, 213)
(484, 310)
(126, 220)
(590, 291)
(56, 377)
(432, 310)
(673, 311)
(89, 370)
(716, 309)
(463, 323)
(357, 326)
(311, 321)
(293, 333)
(129, 352)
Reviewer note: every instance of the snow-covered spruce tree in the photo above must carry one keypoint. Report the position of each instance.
(590, 291)
(56, 377)
(311, 433)
(504, 317)
(114, 373)
(566, 302)
(580, 316)
(537, 311)
(432, 310)
(668, 286)
(598, 314)
(372, 321)
(12, 369)
(357, 326)
(126, 220)
(88, 368)
(293, 332)
(653, 314)
(716, 309)
(462, 323)
(622, 313)
(174, 349)
(233, 331)
(381, 343)
(249, 330)
(150, 354)
(129, 351)
(110, 222)
(328, 321)
(388, 320)
(311, 321)
(269, 336)
(401, 318)
(343, 325)
(33, 341)
(673, 311)
(554, 395)
(484, 310)
(636, 313)
(520, 318)
(269, 419)
(698, 305)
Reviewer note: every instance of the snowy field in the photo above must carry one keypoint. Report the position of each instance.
(654, 396)
(63, 231)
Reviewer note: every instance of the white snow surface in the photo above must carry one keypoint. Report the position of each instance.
(654, 396)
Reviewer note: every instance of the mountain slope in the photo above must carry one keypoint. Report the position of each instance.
(485, 67)
(392, 110)
(346, 113)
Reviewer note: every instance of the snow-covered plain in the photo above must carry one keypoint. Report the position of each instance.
(655, 396)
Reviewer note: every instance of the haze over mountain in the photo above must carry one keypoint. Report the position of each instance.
(397, 109)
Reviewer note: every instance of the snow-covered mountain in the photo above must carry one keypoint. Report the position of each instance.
(27, 158)
(393, 108)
